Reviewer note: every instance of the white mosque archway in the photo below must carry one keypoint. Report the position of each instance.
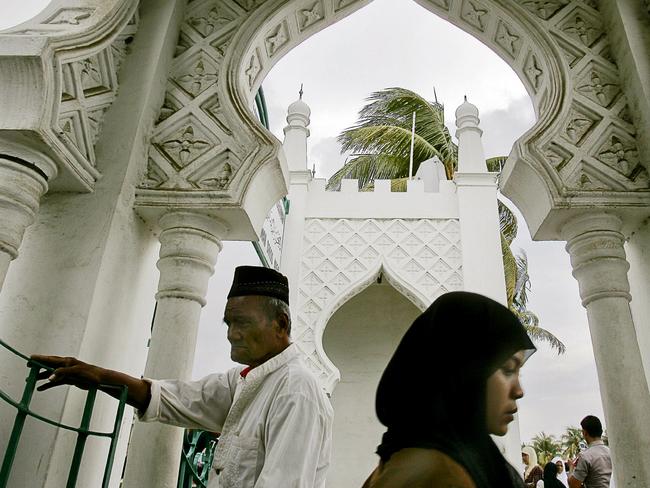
(421, 258)
(360, 338)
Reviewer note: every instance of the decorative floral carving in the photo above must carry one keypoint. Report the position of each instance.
(557, 157)
(341, 4)
(197, 80)
(582, 28)
(184, 146)
(254, 68)
(544, 8)
(211, 21)
(309, 16)
(619, 154)
(578, 125)
(598, 88)
(91, 77)
(89, 86)
(221, 180)
(169, 107)
(533, 71)
(507, 39)
(473, 13)
(277, 39)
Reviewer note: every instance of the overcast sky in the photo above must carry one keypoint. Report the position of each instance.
(398, 43)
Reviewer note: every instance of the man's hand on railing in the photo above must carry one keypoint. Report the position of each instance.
(67, 371)
(71, 371)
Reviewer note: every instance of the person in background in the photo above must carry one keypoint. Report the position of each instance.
(533, 472)
(594, 466)
(561, 472)
(549, 479)
(452, 381)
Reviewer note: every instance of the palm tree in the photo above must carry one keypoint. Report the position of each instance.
(571, 440)
(380, 144)
(546, 446)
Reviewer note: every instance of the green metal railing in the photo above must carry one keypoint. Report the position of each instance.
(196, 459)
(83, 431)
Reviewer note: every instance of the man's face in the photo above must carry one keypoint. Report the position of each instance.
(253, 337)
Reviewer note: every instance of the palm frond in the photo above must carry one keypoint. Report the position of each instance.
(399, 184)
(388, 139)
(394, 107)
(495, 164)
(507, 222)
(539, 334)
(509, 269)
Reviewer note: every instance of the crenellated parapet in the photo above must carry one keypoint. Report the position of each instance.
(59, 75)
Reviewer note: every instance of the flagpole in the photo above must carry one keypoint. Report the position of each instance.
(412, 144)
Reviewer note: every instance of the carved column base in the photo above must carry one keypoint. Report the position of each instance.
(21, 186)
(189, 245)
(595, 245)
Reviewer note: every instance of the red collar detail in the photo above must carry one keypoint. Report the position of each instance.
(245, 371)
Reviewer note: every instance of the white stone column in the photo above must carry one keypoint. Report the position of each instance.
(595, 244)
(189, 245)
(22, 183)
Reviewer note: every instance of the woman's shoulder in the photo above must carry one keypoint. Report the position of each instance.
(420, 468)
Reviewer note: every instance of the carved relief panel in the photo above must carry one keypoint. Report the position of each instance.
(89, 87)
(192, 145)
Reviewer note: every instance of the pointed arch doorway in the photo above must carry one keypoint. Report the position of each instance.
(360, 338)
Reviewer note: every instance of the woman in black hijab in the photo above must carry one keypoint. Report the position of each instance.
(550, 477)
(453, 380)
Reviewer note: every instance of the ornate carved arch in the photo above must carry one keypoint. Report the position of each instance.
(583, 147)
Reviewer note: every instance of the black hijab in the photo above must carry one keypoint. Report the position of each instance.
(433, 391)
(550, 476)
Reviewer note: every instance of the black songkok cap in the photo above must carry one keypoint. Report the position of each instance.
(258, 280)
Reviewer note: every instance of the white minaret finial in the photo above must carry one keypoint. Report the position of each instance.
(296, 133)
(471, 158)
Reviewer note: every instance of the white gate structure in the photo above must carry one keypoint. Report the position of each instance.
(128, 127)
(436, 237)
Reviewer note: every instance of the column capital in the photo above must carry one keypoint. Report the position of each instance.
(595, 245)
(189, 245)
(21, 186)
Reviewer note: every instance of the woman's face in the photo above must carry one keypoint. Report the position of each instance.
(503, 391)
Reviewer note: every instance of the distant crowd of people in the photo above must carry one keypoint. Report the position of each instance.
(591, 468)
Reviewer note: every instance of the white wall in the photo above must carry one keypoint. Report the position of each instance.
(360, 338)
(638, 254)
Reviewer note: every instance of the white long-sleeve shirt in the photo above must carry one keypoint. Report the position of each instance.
(275, 423)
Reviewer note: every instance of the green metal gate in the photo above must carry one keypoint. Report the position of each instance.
(82, 431)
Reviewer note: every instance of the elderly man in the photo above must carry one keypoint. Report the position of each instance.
(274, 419)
